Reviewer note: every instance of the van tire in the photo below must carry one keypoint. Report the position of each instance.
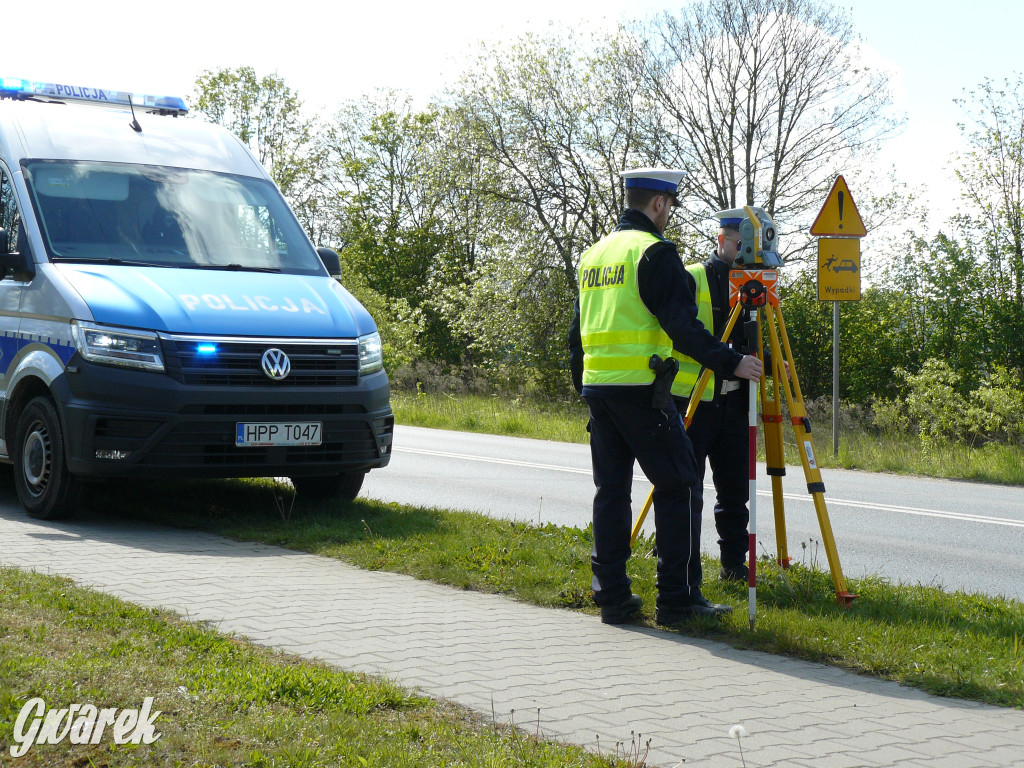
(343, 487)
(46, 489)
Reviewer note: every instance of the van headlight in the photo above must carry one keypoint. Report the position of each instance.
(118, 346)
(370, 357)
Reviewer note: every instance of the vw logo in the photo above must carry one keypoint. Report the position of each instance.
(276, 364)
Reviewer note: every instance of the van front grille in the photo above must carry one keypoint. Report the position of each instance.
(238, 362)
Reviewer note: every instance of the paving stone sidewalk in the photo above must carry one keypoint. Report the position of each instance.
(587, 680)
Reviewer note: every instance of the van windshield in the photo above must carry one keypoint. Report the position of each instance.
(165, 217)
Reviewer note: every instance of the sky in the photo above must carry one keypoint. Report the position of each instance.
(329, 52)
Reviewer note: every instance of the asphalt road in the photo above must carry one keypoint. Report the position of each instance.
(954, 535)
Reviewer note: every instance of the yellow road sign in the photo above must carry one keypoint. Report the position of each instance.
(839, 216)
(838, 269)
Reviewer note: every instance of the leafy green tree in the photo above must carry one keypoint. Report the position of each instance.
(872, 345)
(398, 222)
(991, 174)
(399, 324)
(809, 328)
(266, 115)
(945, 286)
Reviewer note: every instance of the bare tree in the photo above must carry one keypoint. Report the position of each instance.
(767, 99)
(558, 119)
(552, 121)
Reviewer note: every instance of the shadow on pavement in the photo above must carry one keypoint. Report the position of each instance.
(194, 515)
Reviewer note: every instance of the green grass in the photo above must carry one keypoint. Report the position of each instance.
(518, 417)
(858, 449)
(989, 463)
(952, 644)
(224, 702)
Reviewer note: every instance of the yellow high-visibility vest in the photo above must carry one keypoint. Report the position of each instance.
(689, 369)
(618, 332)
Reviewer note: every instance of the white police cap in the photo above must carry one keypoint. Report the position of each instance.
(733, 217)
(659, 179)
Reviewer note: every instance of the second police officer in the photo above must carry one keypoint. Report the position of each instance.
(719, 431)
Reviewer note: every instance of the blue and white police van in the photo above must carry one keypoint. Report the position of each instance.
(162, 312)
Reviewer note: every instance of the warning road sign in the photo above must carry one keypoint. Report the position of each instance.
(838, 269)
(839, 216)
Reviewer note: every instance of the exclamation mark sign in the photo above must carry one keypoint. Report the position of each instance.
(841, 196)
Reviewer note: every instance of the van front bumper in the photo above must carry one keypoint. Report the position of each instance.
(127, 423)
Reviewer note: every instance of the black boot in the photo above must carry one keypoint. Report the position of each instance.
(623, 612)
(670, 616)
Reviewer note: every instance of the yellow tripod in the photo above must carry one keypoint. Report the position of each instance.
(756, 290)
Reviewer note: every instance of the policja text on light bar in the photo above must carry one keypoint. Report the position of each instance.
(16, 88)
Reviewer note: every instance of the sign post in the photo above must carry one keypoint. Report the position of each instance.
(838, 228)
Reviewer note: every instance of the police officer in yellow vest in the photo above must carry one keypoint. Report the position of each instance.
(719, 431)
(634, 302)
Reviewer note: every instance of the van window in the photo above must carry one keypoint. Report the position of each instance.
(10, 219)
(165, 217)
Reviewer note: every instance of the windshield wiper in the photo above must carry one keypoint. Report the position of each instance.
(112, 260)
(135, 263)
(235, 267)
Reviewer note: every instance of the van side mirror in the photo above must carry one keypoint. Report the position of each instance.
(331, 260)
(20, 263)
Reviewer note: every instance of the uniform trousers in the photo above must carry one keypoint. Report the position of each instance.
(719, 434)
(623, 431)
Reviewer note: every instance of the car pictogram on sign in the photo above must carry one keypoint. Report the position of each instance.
(846, 265)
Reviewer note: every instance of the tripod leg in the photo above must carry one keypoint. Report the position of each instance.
(752, 502)
(802, 430)
(775, 461)
(641, 517)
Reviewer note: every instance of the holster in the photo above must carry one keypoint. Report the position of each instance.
(664, 374)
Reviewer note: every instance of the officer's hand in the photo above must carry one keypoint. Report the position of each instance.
(785, 364)
(749, 368)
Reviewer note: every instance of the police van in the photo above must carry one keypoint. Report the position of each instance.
(162, 312)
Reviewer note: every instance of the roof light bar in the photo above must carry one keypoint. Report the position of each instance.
(16, 88)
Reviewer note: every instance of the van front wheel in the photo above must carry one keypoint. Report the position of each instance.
(45, 487)
(344, 487)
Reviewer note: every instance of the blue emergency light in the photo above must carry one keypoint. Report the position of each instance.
(16, 88)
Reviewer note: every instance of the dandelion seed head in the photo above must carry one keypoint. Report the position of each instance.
(736, 731)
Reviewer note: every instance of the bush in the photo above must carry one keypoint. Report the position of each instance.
(936, 401)
(852, 417)
(997, 407)
(938, 407)
(890, 417)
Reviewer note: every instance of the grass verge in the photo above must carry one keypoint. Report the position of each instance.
(858, 449)
(223, 702)
(952, 644)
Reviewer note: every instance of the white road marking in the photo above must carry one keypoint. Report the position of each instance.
(765, 493)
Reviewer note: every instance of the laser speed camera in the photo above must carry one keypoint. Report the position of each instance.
(759, 238)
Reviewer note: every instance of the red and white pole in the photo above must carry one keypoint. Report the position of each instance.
(752, 503)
